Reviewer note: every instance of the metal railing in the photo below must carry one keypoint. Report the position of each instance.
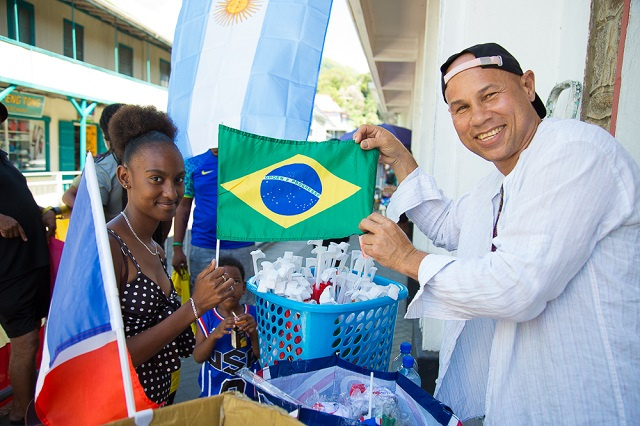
(47, 187)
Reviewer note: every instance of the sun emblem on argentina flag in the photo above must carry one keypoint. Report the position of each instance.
(292, 190)
(229, 12)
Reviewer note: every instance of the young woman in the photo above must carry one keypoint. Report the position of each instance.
(156, 326)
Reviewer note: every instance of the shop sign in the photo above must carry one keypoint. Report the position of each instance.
(23, 104)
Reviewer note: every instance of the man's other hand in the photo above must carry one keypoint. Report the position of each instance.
(388, 245)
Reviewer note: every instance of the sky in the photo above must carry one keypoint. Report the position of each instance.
(342, 43)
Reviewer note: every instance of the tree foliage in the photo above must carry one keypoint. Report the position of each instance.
(350, 90)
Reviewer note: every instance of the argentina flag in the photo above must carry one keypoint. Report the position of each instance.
(252, 65)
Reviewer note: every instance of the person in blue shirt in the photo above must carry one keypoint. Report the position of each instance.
(201, 185)
(214, 348)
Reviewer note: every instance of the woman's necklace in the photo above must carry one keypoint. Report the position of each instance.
(138, 238)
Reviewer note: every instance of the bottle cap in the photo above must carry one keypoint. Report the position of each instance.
(405, 347)
(407, 361)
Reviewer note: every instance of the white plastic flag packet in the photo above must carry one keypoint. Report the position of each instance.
(358, 267)
(280, 288)
(270, 278)
(374, 292)
(255, 255)
(293, 292)
(328, 275)
(310, 262)
(327, 296)
(346, 282)
(393, 292)
(297, 261)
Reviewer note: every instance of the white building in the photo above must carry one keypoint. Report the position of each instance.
(66, 61)
(329, 121)
(406, 42)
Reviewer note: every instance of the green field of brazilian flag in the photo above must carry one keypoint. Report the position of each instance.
(280, 190)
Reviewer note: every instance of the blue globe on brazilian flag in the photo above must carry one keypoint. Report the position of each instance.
(280, 190)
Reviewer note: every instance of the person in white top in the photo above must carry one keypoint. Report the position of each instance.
(543, 295)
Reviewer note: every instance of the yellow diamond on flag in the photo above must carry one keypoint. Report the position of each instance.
(292, 190)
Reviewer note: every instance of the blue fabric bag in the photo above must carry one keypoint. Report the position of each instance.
(325, 378)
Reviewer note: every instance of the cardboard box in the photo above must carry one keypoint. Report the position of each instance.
(228, 409)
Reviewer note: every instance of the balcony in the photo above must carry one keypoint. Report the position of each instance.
(50, 73)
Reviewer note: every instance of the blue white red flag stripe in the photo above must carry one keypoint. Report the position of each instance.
(86, 375)
(254, 68)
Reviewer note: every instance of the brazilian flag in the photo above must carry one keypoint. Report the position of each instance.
(280, 190)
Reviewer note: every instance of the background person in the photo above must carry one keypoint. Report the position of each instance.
(201, 186)
(106, 164)
(24, 277)
(114, 199)
(157, 328)
(542, 295)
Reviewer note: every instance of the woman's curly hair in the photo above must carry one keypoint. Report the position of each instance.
(133, 126)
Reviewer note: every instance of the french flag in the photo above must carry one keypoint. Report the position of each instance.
(86, 376)
(252, 65)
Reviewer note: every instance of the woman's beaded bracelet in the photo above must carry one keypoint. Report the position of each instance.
(193, 305)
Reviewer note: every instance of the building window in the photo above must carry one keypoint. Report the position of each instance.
(165, 72)
(125, 60)
(26, 27)
(68, 40)
(25, 142)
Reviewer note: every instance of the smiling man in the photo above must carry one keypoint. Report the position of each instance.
(542, 296)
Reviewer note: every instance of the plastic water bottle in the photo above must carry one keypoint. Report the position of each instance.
(396, 363)
(408, 371)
